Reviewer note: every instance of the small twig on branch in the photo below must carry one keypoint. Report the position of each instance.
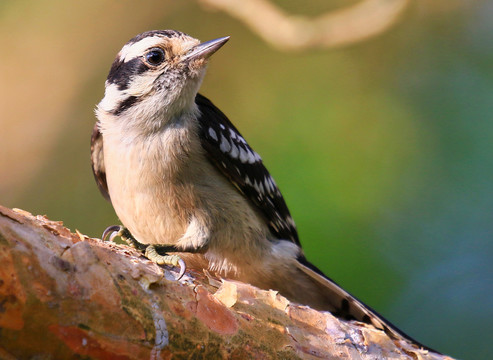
(293, 32)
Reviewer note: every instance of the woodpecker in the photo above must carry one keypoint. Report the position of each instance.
(188, 188)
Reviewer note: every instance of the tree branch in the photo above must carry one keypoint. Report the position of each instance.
(350, 25)
(64, 294)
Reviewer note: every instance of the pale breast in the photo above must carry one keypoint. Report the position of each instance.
(143, 181)
(159, 185)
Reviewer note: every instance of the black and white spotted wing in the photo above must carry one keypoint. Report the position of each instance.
(231, 154)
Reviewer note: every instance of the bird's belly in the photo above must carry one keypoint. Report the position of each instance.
(144, 201)
(157, 203)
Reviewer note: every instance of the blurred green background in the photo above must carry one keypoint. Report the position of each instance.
(383, 149)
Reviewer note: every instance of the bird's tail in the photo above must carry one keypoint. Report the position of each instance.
(344, 305)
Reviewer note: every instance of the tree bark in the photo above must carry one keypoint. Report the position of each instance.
(64, 296)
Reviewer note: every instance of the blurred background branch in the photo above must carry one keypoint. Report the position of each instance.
(294, 32)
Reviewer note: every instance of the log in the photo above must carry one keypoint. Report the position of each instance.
(64, 295)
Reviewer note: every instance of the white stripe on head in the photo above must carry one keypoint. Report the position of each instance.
(131, 51)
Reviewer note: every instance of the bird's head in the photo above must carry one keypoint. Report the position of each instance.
(156, 75)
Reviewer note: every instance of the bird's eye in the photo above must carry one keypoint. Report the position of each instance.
(154, 57)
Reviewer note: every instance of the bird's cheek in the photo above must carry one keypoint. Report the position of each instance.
(196, 66)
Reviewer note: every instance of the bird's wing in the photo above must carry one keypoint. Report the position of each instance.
(97, 161)
(236, 160)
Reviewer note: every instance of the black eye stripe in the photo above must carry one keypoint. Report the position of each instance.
(121, 72)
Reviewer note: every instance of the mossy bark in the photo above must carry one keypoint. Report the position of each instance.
(64, 295)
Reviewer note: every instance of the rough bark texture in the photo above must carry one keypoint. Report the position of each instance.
(65, 296)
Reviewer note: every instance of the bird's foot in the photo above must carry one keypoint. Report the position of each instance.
(121, 231)
(152, 252)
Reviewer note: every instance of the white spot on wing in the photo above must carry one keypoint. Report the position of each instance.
(225, 144)
(261, 187)
(234, 151)
(252, 157)
(290, 221)
(244, 155)
(255, 185)
(269, 185)
(213, 134)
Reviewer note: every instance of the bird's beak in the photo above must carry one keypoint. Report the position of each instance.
(206, 49)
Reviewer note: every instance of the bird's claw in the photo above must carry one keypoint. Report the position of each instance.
(174, 260)
(124, 234)
(183, 267)
(113, 230)
(149, 251)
